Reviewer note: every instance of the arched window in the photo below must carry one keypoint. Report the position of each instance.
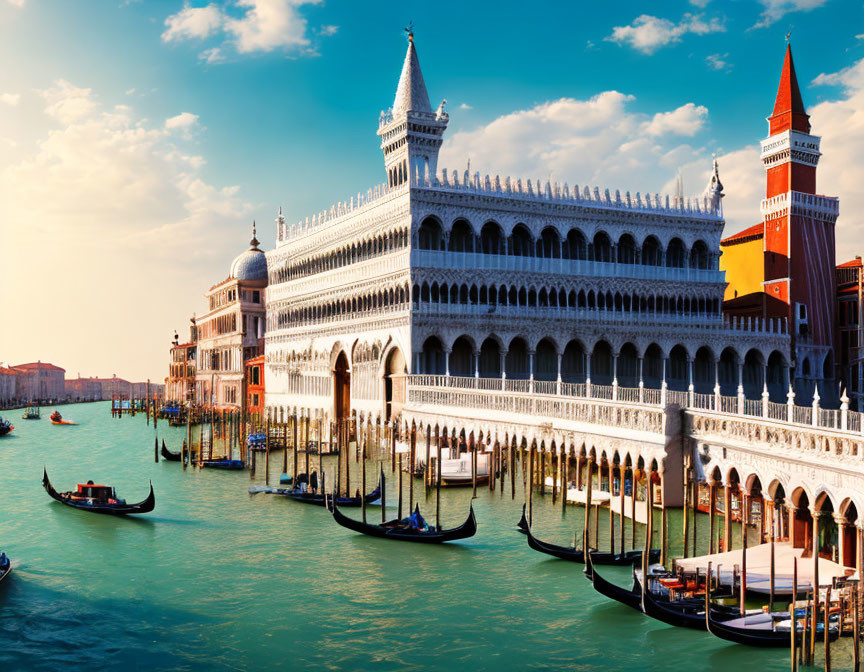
(675, 254)
(461, 237)
(431, 236)
(575, 247)
(549, 244)
(520, 242)
(626, 249)
(491, 239)
(602, 247)
(651, 251)
(699, 257)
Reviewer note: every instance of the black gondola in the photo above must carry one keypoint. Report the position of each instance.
(223, 464)
(321, 499)
(98, 498)
(688, 613)
(5, 566)
(597, 557)
(395, 530)
(522, 525)
(630, 597)
(168, 455)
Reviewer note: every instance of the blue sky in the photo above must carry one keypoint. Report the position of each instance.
(285, 113)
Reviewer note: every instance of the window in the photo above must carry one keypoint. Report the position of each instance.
(256, 296)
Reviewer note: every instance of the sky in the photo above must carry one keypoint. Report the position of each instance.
(139, 139)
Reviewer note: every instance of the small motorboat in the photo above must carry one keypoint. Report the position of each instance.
(98, 498)
(32, 413)
(5, 427)
(413, 528)
(5, 566)
(224, 463)
(57, 419)
(169, 455)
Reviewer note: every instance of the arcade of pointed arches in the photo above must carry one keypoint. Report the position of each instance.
(601, 361)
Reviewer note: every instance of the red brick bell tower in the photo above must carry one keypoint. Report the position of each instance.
(799, 252)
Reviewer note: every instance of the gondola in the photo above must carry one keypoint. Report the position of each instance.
(5, 427)
(5, 566)
(321, 499)
(223, 464)
(688, 613)
(393, 530)
(98, 498)
(168, 455)
(597, 557)
(630, 597)
(522, 525)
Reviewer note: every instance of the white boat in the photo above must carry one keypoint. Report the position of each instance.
(458, 471)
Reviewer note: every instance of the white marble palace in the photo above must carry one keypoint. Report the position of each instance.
(530, 284)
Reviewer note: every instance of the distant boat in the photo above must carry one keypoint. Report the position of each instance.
(5, 566)
(32, 413)
(98, 498)
(459, 471)
(5, 427)
(223, 464)
(57, 419)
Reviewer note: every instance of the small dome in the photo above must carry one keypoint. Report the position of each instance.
(251, 264)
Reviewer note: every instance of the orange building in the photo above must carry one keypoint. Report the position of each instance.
(255, 384)
(784, 266)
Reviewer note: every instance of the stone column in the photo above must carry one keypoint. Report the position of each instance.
(663, 385)
(615, 376)
(690, 387)
(727, 517)
(476, 364)
(716, 384)
(641, 381)
(531, 370)
(503, 356)
(790, 405)
(740, 386)
(558, 381)
(840, 521)
(447, 363)
(587, 374)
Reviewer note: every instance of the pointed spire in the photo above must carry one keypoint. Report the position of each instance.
(789, 112)
(411, 93)
(254, 242)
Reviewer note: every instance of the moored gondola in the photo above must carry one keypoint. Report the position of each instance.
(402, 531)
(223, 464)
(574, 554)
(169, 455)
(98, 498)
(686, 613)
(631, 597)
(320, 498)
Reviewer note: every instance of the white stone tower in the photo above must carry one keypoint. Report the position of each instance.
(411, 133)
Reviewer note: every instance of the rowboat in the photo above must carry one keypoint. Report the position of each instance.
(574, 554)
(169, 455)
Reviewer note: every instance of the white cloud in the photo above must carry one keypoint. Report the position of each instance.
(16, 3)
(67, 102)
(686, 120)
(192, 23)
(466, 106)
(718, 62)
(840, 123)
(860, 37)
(108, 196)
(774, 10)
(11, 99)
(595, 141)
(247, 26)
(649, 33)
(184, 120)
(268, 25)
(213, 55)
(130, 92)
(701, 4)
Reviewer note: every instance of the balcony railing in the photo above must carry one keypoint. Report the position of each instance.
(625, 397)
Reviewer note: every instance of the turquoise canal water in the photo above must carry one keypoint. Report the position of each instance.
(216, 579)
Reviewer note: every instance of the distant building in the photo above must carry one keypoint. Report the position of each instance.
(180, 383)
(83, 389)
(8, 387)
(114, 386)
(850, 329)
(231, 332)
(255, 384)
(40, 381)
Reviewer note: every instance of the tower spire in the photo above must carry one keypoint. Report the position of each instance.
(789, 112)
(411, 94)
(254, 242)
